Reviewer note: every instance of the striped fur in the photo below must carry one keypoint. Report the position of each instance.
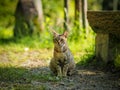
(62, 63)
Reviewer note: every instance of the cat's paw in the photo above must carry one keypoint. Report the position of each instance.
(59, 75)
(64, 75)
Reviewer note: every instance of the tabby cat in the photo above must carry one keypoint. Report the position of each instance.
(62, 63)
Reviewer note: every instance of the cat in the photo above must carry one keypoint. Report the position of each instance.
(62, 63)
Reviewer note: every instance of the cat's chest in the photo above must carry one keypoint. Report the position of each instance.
(61, 56)
(61, 59)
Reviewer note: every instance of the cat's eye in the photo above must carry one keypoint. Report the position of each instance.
(54, 40)
(62, 40)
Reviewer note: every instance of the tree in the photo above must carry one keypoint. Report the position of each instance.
(40, 20)
(115, 4)
(77, 13)
(118, 7)
(84, 15)
(66, 15)
(25, 15)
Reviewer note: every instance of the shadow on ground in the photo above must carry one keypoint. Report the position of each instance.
(40, 78)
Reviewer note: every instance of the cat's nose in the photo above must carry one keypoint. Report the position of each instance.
(59, 42)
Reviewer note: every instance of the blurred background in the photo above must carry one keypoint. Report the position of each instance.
(26, 44)
(25, 25)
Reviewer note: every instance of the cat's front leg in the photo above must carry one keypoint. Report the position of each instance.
(59, 71)
(65, 69)
(71, 69)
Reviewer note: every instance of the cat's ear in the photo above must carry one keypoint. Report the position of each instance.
(65, 34)
(55, 34)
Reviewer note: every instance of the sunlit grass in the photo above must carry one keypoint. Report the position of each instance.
(17, 48)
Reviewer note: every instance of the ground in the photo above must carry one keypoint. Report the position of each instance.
(37, 75)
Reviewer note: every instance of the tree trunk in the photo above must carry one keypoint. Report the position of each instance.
(66, 15)
(77, 13)
(115, 4)
(24, 15)
(40, 19)
(118, 7)
(84, 15)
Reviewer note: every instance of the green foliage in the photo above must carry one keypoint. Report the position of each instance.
(95, 4)
(53, 8)
(6, 33)
(86, 59)
(7, 9)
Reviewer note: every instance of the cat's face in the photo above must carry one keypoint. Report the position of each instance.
(60, 40)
